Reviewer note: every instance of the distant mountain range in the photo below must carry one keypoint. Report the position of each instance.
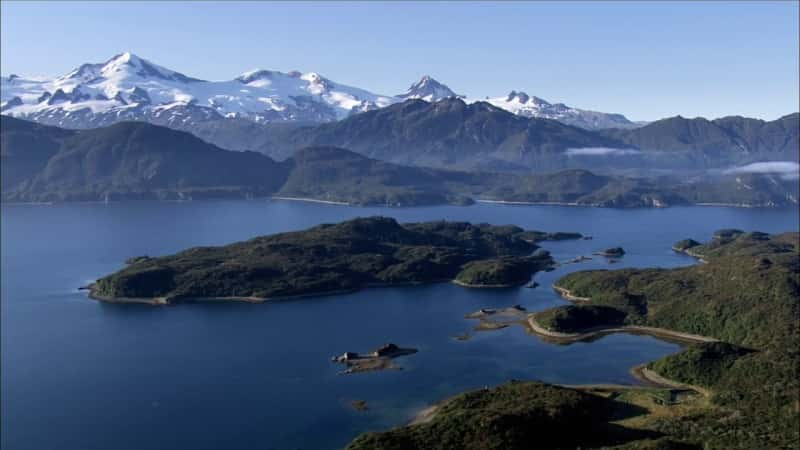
(449, 133)
(430, 125)
(129, 161)
(454, 134)
(128, 87)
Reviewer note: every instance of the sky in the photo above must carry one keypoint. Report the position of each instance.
(647, 60)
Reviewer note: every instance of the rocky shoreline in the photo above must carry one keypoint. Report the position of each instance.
(379, 359)
(664, 333)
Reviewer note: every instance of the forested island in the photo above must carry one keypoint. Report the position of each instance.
(736, 387)
(332, 258)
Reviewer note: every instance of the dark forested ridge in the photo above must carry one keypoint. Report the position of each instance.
(726, 140)
(452, 133)
(128, 160)
(133, 160)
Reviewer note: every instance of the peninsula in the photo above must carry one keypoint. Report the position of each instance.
(734, 386)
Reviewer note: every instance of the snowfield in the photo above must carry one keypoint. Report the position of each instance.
(127, 87)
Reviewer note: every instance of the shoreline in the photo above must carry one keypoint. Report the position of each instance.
(647, 378)
(310, 200)
(567, 294)
(643, 374)
(568, 338)
(689, 253)
(159, 301)
(511, 202)
(485, 286)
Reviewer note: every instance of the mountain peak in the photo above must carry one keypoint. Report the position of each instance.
(128, 64)
(255, 74)
(523, 97)
(125, 58)
(428, 89)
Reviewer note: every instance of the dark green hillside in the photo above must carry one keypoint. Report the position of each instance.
(335, 174)
(708, 143)
(747, 295)
(577, 318)
(509, 271)
(751, 280)
(701, 364)
(330, 173)
(139, 160)
(741, 189)
(516, 415)
(451, 133)
(777, 136)
(586, 188)
(324, 259)
(25, 148)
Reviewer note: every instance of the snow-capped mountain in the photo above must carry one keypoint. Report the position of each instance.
(526, 105)
(429, 90)
(127, 87)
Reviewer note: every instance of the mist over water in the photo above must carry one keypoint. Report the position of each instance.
(601, 151)
(78, 374)
(788, 170)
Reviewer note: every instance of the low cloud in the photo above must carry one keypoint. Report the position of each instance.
(600, 151)
(788, 170)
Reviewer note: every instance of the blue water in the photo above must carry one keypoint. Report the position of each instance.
(78, 374)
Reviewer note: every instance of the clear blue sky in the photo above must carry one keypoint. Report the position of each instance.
(646, 60)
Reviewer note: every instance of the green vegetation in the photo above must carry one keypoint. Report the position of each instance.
(700, 364)
(131, 161)
(521, 415)
(727, 141)
(324, 259)
(685, 244)
(748, 296)
(335, 174)
(750, 281)
(450, 133)
(126, 161)
(577, 318)
(507, 271)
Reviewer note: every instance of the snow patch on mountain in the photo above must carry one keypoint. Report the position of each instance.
(428, 89)
(128, 87)
(131, 88)
(525, 105)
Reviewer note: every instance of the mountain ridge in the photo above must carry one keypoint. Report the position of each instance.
(99, 94)
(137, 160)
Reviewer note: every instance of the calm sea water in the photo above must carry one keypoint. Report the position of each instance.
(78, 374)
